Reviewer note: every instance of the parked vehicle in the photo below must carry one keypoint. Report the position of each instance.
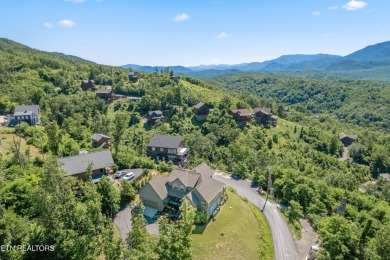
(129, 176)
(120, 174)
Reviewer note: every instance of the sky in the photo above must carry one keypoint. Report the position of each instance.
(194, 32)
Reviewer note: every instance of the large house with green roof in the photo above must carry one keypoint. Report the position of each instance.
(196, 186)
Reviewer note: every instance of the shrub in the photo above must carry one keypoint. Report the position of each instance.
(200, 218)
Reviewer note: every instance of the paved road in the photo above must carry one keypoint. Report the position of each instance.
(284, 245)
(123, 221)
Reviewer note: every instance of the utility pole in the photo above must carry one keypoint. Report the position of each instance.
(269, 188)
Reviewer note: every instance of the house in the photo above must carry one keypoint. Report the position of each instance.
(175, 78)
(29, 114)
(88, 85)
(196, 186)
(264, 117)
(101, 141)
(106, 94)
(133, 76)
(154, 116)
(201, 111)
(102, 164)
(385, 176)
(168, 148)
(241, 116)
(347, 139)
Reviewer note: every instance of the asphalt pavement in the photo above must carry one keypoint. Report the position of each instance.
(284, 245)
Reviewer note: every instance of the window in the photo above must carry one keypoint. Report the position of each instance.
(203, 204)
(101, 170)
(153, 148)
(172, 151)
(182, 188)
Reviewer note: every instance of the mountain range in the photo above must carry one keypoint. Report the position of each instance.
(366, 62)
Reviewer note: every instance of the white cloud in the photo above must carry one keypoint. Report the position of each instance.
(76, 1)
(66, 23)
(316, 13)
(181, 17)
(47, 25)
(222, 35)
(332, 8)
(354, 5)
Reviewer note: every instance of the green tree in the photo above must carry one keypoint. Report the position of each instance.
(110, 197)
(294, 211)
(54, 138)
(127, 192)
(120, 124)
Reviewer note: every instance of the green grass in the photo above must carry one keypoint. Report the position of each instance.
(239, 232)
(7, 140)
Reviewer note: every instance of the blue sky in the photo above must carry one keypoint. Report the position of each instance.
(194, 32)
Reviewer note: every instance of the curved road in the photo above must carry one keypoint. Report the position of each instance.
(284, 245)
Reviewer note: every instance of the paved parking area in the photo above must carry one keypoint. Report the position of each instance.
(137, 172)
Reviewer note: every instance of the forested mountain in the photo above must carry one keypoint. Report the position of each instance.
(358, 102)
(372, 63)
(39, 205)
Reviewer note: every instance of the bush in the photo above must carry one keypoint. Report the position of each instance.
(127, 192)
(165, 167)
(200, 218)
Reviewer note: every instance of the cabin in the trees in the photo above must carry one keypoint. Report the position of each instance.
(241, 116)
(168, 148)
(29, 114)
(175, 79)
(196, 186)
(154, 116)
(106, 94)
(264, 117)
(101, 141)
(88, 85)
(347, 139)
(201, 111)
(102, 165)
(133, 76)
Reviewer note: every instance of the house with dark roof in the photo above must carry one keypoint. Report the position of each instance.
(201, 111)
(133, 76)
(29, 114)
(263, 116)
(101, 141)
(196, 186)
(154, 116)
(102, 164)
(175, 79)
(107, 94)
(88, 85)
(347, 139)
(168, 148)
(241, 116)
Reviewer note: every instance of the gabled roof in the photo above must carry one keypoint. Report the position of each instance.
(204, 170)
(165, 141)
(189, 179)
(86, 81)
(97, 137)
(241, 112)
(157, 112)
(79, 163)
(103, 91)
(23, 113)
(133, 74)
(209, 188)
(199, 105)
(158, 184)
(266, 111)
(342, 136)
(32, 108)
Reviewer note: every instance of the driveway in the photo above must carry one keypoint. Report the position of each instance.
(123, 222)
(345, 154)
(284, 245)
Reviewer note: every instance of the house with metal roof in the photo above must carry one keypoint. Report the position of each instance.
(168, 148)
(201, 111)
(102, 164)
(196, 186)
(29, 114)
(265, 117)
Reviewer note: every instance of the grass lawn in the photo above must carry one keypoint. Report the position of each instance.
(236, 233)
(7, 140)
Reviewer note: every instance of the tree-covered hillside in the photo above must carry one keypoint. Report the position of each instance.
(363, 103)
(39, 205)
